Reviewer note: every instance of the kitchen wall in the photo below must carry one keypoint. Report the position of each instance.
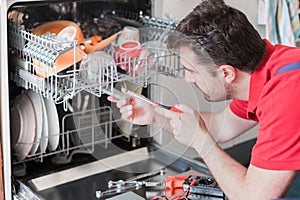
(179, 8)
(172, 90)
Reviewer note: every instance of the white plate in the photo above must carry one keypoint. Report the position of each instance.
(22, 126)
(45, 129)
(53, 125)
(37, 105)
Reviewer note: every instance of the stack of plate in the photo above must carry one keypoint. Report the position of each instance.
(34, 125)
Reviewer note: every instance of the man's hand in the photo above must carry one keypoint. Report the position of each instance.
(187, 126)
(135, 110)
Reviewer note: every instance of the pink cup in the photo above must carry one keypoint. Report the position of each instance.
(127, 57)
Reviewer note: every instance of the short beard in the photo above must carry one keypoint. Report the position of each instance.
(227, 94)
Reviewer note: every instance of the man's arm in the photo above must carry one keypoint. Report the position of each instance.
(235, 180)
(225, 125)
(239, 182)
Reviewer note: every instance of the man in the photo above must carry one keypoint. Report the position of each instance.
(263, 82)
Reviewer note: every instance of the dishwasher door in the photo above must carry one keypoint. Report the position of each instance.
(105, 178)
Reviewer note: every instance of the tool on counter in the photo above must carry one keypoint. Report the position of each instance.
(133, 183)
(160, 172)
(203, 187)
(191, 187)
(182, 195)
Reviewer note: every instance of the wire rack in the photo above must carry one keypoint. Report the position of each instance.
(34, 65)
(81, 132)
(37, 68)
(41, 70)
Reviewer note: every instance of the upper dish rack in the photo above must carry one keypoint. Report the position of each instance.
(39, 62)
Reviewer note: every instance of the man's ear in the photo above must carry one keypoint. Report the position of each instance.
(228, 73)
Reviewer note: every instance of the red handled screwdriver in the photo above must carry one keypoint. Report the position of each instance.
(155, 104)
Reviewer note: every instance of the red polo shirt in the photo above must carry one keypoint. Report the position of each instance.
(274, 102)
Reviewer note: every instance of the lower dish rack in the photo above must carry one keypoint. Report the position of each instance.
(81, 133)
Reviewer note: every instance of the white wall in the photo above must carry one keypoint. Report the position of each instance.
(179, 8)
(173, 91)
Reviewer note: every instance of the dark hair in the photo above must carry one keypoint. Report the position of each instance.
(225, 34)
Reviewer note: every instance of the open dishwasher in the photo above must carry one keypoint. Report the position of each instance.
(65, 140)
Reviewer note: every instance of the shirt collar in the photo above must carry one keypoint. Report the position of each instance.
(259, 78)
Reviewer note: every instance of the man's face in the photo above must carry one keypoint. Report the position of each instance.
(208, 80)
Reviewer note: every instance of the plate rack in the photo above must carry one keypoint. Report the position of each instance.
(81, 132)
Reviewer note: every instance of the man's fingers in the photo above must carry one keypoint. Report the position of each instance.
(112, 99)
(127, 115)
(121, 103)
(126, 109)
